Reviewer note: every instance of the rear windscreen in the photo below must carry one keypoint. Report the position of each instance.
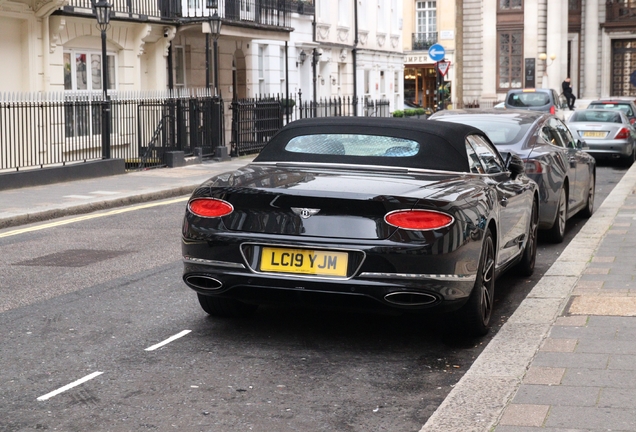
(613, 106)
(596, 116)
(353, 145)
(526, 100)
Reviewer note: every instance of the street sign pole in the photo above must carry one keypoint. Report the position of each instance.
(436, 53)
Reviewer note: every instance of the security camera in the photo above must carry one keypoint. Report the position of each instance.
(166, 31)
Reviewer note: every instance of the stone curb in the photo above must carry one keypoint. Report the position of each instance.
(479, 399)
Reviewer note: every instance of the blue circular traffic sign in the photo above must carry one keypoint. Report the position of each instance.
(436, 52)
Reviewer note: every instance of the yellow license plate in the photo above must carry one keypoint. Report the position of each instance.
(304, 261)
(590, 134)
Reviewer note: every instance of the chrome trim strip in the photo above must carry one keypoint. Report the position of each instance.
(301, 276)
(435, 277)
(215, 263)
(368, 167)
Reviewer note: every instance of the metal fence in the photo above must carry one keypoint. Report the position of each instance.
(38, 130)
(255, 121)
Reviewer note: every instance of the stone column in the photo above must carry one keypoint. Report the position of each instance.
(590, 50)
(554, 42)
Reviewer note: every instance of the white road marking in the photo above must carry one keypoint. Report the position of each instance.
(69, 386)
(105, 193)
(167, 341)
(78, 196)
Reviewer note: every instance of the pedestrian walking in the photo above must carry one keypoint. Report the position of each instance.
(567, 92)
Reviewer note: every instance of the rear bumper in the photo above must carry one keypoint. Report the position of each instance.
(609, 148)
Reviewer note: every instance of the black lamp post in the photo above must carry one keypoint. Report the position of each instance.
(215, 29)
(102, 13)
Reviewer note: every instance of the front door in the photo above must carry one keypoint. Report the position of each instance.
(623, 66)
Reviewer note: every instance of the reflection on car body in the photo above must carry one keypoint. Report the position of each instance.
(380, 214)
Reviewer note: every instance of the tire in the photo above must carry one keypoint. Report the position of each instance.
(526, 265)
(588, 211)
(627, 161)
(476, 313)
(225, 307)
(557, 232)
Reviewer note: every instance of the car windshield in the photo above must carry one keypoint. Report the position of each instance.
(353, 145)
(596, 116)
(612, 106)
(500, 132)
(529, 99)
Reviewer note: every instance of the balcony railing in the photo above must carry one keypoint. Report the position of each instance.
(423, 41)
(252, 12)
(620, 11)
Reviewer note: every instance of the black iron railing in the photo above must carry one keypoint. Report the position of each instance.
(255, 121)
(275, 13)
(38, 130)
(423, 41)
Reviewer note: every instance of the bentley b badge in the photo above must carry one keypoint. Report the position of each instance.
(304, 213)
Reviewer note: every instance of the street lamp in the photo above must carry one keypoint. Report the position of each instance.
(215, 29)
(102, 13)
(544, 58)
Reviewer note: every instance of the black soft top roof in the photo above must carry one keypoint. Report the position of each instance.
(442, 144)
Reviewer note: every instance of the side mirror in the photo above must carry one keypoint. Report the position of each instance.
(515, 165)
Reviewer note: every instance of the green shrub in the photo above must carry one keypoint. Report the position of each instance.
(398, 113)
(420, 111)
(287, 103)
(410, 112)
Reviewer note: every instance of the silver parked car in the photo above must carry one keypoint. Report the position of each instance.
(608, 133)
(554, 159)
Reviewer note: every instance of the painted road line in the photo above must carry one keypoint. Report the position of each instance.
(91, 216)
(167, 341)
(69, 386)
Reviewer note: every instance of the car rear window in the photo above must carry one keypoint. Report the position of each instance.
(353, 145)
(529, 99)
(500, 132)
(613, 106)
(596, 116)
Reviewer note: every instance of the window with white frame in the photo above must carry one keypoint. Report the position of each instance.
(261, 69)
(83, 73)
(363, 14)
(394, 17)
(426, 16)
(281, 63)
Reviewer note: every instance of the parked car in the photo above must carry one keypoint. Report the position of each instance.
(626, 106)
(608, 133)
(364, 213)
(564, 172)
(537, 99)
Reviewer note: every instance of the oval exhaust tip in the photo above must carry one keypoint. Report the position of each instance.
(202, 282)
(410, 298)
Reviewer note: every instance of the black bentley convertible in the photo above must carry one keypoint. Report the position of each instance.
(369, 213)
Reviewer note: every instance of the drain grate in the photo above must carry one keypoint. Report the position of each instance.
(73, 258)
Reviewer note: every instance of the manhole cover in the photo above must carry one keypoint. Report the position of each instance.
(73, 258)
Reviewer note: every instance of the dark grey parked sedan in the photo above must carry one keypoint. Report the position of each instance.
(564, 172)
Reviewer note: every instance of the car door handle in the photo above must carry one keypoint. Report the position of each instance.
(504, 202)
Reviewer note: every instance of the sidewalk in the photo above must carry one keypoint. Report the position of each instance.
(566, 359)
(34, 204)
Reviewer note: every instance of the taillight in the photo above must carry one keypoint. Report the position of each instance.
(632, 120)
(533, 167)
(552, 110)
(622, 134)
(419, 220)
(210, 207)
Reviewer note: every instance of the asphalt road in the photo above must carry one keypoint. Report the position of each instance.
(90, 300)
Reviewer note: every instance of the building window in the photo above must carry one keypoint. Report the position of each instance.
(179, 66)
(83, 72)
(281, 64)
(510, 72)
(505, 5)
(344, 9)
(426, 16)
(261, 69)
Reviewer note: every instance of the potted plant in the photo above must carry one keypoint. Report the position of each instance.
(398, 113)
(287, 105)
